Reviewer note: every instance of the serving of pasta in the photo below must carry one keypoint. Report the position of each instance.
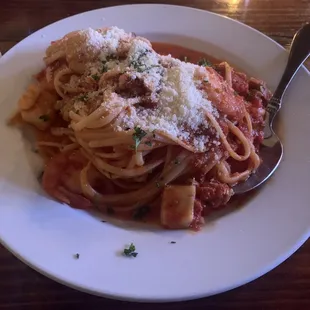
(138, 134)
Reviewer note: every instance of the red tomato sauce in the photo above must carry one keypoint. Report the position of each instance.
(180, 52)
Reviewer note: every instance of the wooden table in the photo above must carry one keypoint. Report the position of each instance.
(286, 287)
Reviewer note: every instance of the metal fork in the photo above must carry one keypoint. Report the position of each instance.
(271, 151)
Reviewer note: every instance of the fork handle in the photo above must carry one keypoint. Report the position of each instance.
(299, 52)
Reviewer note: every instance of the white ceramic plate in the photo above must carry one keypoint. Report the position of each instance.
(235, 249)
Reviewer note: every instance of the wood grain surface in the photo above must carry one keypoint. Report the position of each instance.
(286, 287)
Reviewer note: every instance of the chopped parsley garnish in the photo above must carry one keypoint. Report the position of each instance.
(44, 118)
(139, 65)
(140, 213)
(96, 77)
(204, 62)
(206, 81)
(138, 136)
(176, 161)
(104, 68)
(157, 184)
(173, 242)
(104, 62)
(76, 256)
(131, 251)
(83, 98)
(148, 143)
(110, 210)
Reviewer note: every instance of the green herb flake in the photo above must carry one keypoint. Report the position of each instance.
(139, 68)
(138, 63)
(154, 135)
(157, 184)
(104, 68)
(76, 256)
(138, 136)
(130, 251)
(173, 242)
(204, 62)
(140, 213)
(44, 118)
(96, 77)
(148, 143)
(206, 81)
(83, 98)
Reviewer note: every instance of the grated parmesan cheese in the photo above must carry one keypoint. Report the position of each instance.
(180, 110)
(171, 85)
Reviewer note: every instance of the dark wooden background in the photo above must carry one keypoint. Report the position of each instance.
(286, 287)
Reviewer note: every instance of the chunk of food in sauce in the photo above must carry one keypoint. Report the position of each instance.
(177, 207)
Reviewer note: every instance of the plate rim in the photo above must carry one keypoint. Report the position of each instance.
(8, 52)
(141, 299)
